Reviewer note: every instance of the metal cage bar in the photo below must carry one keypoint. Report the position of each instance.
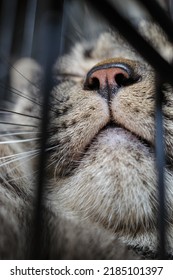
(51, 25)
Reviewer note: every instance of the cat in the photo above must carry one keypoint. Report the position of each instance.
(100, 194)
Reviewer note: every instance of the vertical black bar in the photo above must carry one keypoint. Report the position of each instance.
(160, 165)
(161, 17)
(50, 29)
(170, 8)
(7, 19)
(29, 25)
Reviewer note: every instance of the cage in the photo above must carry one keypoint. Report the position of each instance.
(44, 30)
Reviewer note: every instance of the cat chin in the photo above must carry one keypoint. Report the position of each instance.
(115, 138)
(115, 182)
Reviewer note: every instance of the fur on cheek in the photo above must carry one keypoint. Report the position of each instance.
(74, 129)
(135, 112)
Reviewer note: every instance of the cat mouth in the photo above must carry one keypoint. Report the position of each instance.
(114, 130)
(114, 125)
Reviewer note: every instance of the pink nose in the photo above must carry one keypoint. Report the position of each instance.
(109, 75)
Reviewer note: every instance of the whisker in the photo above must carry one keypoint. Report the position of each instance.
(23, 76)
(21, 163)
(18, 124)
(18, 133)
(22, 153)
(19, 93)
(17, 113)
(51, 148)
(18, 141)
(47, 150)
(16, 159)
(11, 66)
(25, 175)
(52, 163)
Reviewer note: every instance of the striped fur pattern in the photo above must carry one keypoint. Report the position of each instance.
(100, 195)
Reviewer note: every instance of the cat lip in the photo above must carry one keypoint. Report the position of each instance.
(144, 141)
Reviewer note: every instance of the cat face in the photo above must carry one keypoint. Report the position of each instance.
(101, 140)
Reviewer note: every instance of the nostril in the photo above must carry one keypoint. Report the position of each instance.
(92, 84)
(123, 80)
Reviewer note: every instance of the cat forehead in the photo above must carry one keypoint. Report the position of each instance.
(106, 45)
(110, 40)
(104, 42)
(106, 39)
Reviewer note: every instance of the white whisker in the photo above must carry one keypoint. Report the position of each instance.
(17, 133)
(21, 163)
(51, 148)
(19, 154)
(52, 163)
(20, 177)
(18, 124)
(16, 159)
(24, 176)
(18, 141)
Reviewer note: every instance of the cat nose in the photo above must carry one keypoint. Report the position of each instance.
(110, 75)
